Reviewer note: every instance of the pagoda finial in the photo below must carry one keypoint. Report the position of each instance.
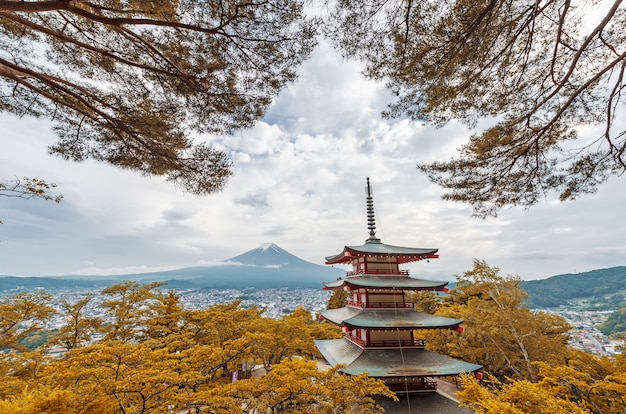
(371, 221)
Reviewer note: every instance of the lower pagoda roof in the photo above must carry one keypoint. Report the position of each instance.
(398, 282)
(385, 363)
(388, 318)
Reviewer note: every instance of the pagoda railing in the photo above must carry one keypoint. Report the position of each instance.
(376, 272)
(392, 305)
(410, 386)
(390, 343)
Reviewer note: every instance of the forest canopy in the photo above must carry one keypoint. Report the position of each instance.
(149, 354)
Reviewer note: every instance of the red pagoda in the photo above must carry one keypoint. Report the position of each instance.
(380, 327)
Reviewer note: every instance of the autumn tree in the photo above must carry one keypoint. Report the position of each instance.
(337, 299)
(128, 82)
(128, 307)
(42, 400)
(79, 327)
(292, 335)
(156, 356)
(29, 188)
(221, 322)
(21, 315)
(541, 70)
(297, 386)
(579, 383)
(517, 397)
(165, 317)
(597, 383)
(500, 333)
(425, 301)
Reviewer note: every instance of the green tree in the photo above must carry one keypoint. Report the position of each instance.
(540, 69)
(127, 81)
(615, 323)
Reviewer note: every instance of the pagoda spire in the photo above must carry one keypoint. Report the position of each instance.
(371, 221)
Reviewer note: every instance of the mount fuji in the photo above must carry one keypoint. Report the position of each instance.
(269, 254)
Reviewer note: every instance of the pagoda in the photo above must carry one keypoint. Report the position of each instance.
(380, 328)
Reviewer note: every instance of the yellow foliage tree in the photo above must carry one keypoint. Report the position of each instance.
(596, 383)
(337, 299)
(500, 333)
(128, 306)
(79, 327)
(156, 356)
(21, 315)
(297, 386)
(517, 397)
(584, 383)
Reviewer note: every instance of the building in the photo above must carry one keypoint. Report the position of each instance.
(381, 329)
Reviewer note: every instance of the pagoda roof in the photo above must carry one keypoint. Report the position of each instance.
(388, 318)
(391, 362)
(375, 247)
(399, 282)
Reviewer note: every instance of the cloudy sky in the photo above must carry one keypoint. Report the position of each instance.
(299, 182)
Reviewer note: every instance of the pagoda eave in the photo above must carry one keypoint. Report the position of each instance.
(388, 319)
(389, 282)
(402, 254)
(390, 363)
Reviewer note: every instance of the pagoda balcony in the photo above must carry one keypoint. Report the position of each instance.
(402, 387)
(379, 305)
(414, 343)
(376, 273)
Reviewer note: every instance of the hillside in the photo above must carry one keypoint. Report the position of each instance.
(558, 290)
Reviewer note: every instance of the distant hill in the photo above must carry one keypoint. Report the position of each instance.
(558, 290)
(267, 266)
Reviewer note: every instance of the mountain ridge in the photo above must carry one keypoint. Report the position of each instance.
(266, 266)
(559, 289)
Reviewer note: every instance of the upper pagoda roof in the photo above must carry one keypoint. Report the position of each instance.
(395, 362)
(399, 282)
(388, 318)
(403, 254)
